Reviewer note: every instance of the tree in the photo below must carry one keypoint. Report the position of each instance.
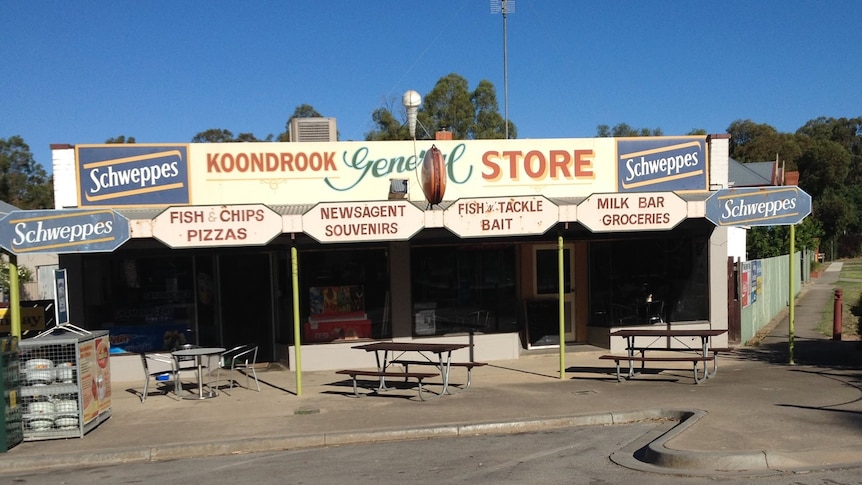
(25, 275)
(624, 130)
(23, 181)
(822, 165)
(389, 127)
(489, 124)
(750, 142)
(301, 111)
(215, 135)
(450, 106)
(770, 241)
(121, 139)
(847, 132)
(836, 212)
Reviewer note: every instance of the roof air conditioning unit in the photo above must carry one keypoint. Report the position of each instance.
(313, 129)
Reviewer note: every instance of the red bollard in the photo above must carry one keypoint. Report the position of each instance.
(837, 314)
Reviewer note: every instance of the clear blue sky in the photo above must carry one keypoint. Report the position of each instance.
(162, 71)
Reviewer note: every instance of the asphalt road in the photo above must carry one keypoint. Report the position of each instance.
(569, 455)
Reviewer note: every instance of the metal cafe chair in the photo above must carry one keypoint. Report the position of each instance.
(241, 358)
(160, 368)
(185, 364)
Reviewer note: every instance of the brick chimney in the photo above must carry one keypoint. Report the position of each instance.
(443, 135)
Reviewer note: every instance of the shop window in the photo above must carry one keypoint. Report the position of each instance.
(344, 295)
(648, 281)
(147, 303)
(463, 289)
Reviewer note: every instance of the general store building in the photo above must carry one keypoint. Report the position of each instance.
(215, 229)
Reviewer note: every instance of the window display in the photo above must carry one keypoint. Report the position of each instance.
(458, 289)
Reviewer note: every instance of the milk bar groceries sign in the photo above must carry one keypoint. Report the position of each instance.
(500, 216)
(217, 225)
(363, 221)
(648, 211)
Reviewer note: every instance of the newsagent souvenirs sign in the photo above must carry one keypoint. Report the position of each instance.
(363, 221)
(647, 211)
(63, 231)
(661, 164)
(123, 175)
(209, 226)
(767, 206)
(500, 216)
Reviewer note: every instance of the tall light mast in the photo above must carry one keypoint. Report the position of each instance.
(504, 7)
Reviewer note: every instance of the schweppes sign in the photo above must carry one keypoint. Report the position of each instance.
(662, 164)
(122, 175)
(63, 231)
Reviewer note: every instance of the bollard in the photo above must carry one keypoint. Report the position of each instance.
(837, 314)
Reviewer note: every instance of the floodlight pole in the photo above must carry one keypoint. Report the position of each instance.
(505, 74)
(503, 6)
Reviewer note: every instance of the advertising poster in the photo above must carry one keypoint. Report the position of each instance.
(87, 374)
(745, 286)
(102, 389)
(756, 279)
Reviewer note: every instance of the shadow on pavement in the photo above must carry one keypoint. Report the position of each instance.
(813, 352)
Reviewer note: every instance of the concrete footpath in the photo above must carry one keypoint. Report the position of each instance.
(758, 415)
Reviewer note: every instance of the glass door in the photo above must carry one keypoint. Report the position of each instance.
(546, 289)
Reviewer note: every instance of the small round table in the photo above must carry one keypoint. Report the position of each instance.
(199, 353)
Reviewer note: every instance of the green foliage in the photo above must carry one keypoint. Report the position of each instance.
(623, 130)
(450, 106)
(215, 135)
(827, 153)
(388, 127)
(769, 241)
(120, 140)
(824, 164)
(752, 142)
(25, 275)
(23, 181)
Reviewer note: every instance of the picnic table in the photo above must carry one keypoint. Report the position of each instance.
(663, 340)
(437, 355)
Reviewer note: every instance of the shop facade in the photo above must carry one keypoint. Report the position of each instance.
(222, 236)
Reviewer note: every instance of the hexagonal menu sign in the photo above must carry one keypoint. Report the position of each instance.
(501, 216)
(217, 225)
(647, 211)
(363, 221)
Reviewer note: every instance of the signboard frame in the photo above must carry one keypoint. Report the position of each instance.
(61, 297)
(782, 205)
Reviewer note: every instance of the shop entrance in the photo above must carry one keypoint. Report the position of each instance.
(245, 291)
(541, 308)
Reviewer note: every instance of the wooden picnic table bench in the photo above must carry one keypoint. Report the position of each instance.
(438, 354)
(694, 359)
(702, 354)
(354, 373)
(467, 365)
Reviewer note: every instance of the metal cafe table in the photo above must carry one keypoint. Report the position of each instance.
(199, 354)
